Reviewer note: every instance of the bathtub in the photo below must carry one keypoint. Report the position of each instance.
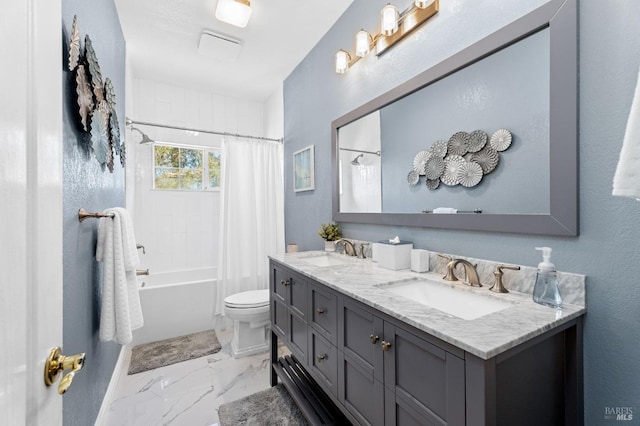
(176, 303)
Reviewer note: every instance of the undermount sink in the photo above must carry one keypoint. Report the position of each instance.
(457, 302)
(326, 260)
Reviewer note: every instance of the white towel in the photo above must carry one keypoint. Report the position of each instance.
(445, 210)
(121, 312)
(626, 182)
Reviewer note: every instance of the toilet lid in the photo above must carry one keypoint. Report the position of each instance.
(248, 299)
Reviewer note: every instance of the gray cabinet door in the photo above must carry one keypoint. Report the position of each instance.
(298, 337)
(279, 284)
(280, 319)
(360, 368)
(298, 295)
(289, 309)
(426, 383)
(323, 312)
(323, 362)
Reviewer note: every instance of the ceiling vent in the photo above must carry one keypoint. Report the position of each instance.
(219, 46)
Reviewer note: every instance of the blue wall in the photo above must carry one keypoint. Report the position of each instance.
(608, 248)
(87, 185)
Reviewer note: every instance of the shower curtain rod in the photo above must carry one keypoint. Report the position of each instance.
(211, 132)
(360, 150)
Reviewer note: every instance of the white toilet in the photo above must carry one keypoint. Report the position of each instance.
(249, 311)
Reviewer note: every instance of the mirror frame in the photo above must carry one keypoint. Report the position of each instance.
(560, 16)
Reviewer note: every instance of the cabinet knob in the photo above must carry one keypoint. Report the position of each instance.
(385, 345)
(320, 358)
(284, 282)
(320, 311)
(374, 339)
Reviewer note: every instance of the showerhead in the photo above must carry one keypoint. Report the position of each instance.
(145, 139)
(355, 161)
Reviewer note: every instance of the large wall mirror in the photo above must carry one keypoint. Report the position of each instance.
(522, 78)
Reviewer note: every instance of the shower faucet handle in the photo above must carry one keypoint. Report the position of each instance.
(140, 246)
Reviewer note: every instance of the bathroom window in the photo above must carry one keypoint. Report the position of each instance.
(186, 168)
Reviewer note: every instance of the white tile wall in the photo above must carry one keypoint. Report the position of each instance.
(179, 229)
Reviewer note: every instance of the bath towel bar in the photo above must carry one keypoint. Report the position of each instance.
(83, 214)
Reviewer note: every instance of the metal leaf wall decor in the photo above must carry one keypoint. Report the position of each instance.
(74, 45)
(99, 138)
(94, 69)
(96, 100)
(85, 97)
(462, 160)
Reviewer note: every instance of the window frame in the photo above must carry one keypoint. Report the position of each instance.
(205, 166)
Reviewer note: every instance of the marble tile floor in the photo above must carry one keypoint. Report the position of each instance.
(187, 393)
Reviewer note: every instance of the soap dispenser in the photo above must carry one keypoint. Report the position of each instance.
(545, 291)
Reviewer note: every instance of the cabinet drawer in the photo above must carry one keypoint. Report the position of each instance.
(324, 313)
(323, 360)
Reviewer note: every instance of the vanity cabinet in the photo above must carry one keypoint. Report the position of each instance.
(377, 370)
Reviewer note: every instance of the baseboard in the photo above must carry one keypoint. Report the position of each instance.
(103, 414)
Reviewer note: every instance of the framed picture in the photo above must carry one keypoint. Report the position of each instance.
(303, 174)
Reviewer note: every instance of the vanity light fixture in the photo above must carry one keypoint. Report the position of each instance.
(394, 26)
(234, 12)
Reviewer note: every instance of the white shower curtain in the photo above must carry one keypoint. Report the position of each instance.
(251, 216)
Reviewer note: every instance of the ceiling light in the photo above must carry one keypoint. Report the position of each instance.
(234, 12)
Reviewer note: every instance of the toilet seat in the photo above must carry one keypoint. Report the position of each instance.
(248, 299)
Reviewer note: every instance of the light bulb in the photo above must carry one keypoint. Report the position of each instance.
(422, 4)
(342, 61)
(389, 19)
(363, 43)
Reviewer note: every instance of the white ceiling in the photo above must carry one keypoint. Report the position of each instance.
(162, 42)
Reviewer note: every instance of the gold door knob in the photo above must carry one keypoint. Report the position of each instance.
(320, 311)
(374, 339)
(385, 345)
(320, 358)
(56, 363)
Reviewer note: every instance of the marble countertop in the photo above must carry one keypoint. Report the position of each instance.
(485, 337)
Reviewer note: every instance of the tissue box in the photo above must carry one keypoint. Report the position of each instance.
(419, 260)
(394, 256)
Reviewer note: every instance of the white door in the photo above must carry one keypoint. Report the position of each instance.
(30, 208)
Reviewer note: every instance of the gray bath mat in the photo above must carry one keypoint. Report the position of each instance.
(273, 406)
(169, 351)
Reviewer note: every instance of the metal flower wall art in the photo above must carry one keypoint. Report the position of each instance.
(464, 159)
(96, 101)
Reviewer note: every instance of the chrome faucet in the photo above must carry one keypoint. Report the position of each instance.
(469, 268)
(349, 248)
(362, 254)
